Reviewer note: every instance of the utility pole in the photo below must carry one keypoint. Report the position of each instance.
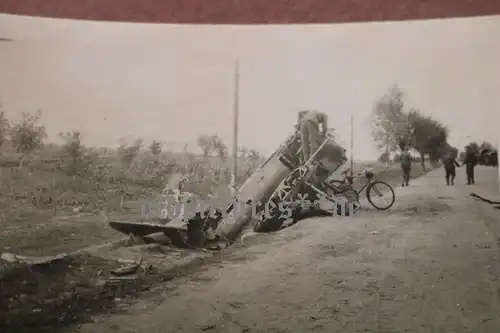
(185, 156)
(387, 150)
(352, 141)
(235, 124)
(496, 148)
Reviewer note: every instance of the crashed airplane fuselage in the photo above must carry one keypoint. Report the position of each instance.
(192, 223)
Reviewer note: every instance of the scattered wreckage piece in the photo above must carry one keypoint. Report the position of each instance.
(483, 199)
(128, 269)
(491, 202)
(30, 260)
(183, 234)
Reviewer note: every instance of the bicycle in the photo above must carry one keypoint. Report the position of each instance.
(372, 186)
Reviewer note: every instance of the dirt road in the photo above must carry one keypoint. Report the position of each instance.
(430, 264)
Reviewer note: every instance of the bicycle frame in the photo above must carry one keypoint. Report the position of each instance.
(368, 182)
(349, 180)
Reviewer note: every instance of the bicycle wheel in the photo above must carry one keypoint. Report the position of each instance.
(380, 190)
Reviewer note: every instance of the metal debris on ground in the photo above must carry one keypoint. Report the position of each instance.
(129, 269)
(208, 327)
(129, 277)
(15, 258)
(474, 195)
(126, 261)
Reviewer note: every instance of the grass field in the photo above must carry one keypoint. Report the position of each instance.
(44, 208)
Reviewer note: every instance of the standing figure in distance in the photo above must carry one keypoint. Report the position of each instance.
(450, 163)
(405, 159)
(470, 163)
(309, 126)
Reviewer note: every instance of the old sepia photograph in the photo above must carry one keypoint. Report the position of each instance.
(259, 178)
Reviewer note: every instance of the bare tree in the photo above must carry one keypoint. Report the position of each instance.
(27, 135)
(243, 152)
(254, 155)
(219, 147)
(392, 127)
(128, 152)
(73, 147)
(206, 144)
(389, 121)
(155, 147)
(4, 127)
(429, 136)
(210, 144)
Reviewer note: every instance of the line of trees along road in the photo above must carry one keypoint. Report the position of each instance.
(394, 127)
(487, 153)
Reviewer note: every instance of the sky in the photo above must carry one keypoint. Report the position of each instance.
(174, 82)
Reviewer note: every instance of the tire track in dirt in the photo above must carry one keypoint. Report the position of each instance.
(386, 295)
(388, 305)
